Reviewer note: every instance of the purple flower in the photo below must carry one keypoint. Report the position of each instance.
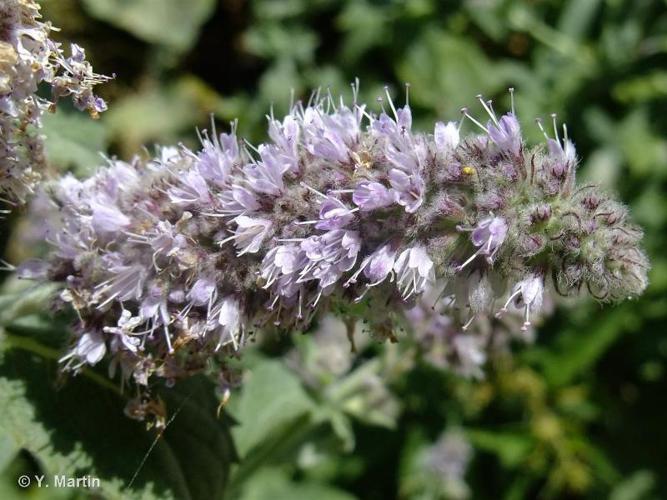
(218, 157)
(527, 293)
(488, 235)
(331, 136)
(154, 306)
(237, 201)
(192, 190)
(280, 261)
(329, 256)
(203, 292)
(446, 137)
(470, 355)
(380, 264)
(506, 134)
(286, 137)
(397, 129)
(564, 157)
(338, 246)
(372, 195)
(334, 215)
(122, 333)
(229, 319)
(409, 189)
(376, 267)
(107, 219)
(126, 283)
(449, 458)
(250, 233)
(266, 176)
(414, 271)
(167, 241)
(91, 347)
(403, 150)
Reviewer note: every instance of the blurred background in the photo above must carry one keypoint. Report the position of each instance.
(581, 413)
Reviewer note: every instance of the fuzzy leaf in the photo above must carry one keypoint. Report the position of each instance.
(80, 429)
(271, 399)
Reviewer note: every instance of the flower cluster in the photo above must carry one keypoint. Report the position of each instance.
(448, 460)
(464, 349)
(28, 57)
(174, 261)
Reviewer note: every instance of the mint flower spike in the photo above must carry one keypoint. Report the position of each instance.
(175, 262)
(28, 57)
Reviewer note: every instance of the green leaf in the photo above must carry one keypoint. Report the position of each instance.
(363, 395)
(278, 41)
(275, 484)
(510, 447)
(636, 487)
(8, 451)
(271, 399)
(74, 141)
(365, 26)
(577, 17)
(642, 88)
(24, 298)
(575, 351)
(160, 113)
(171, 23)
(449, 70)
(80, 429)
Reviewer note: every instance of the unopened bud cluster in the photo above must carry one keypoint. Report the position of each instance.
(28, 58)
(175, 261)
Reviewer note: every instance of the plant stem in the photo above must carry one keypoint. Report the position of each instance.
(31, 345)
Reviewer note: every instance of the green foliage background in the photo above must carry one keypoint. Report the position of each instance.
(580, 414)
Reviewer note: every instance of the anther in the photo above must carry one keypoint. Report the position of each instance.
(488, 110)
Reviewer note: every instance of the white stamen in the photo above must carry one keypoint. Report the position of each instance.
(312, 189)
(541, 127)
(526, 322)
(465, 113)
(553, 119)
(391, 102)
(470, 259)
(509, 300)
(380, 101)
(166, 336)
(355, 90)
(488, 110)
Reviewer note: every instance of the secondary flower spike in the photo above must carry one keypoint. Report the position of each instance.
(174, 261)
(28, 58)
